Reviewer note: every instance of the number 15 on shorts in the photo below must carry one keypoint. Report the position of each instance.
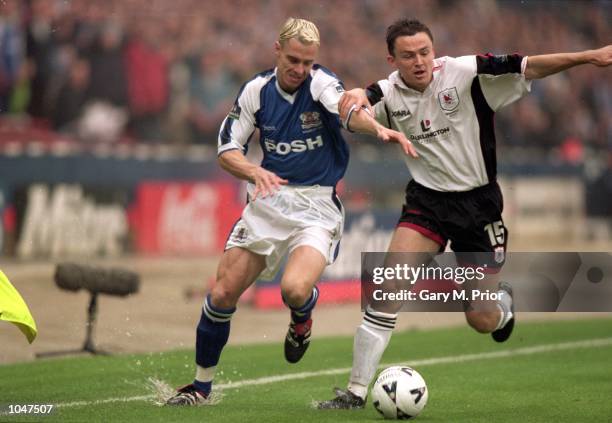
(497, 233)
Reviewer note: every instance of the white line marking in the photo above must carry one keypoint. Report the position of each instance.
(590, 343)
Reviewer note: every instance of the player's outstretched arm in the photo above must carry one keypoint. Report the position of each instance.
(266, 182)
(547, 64)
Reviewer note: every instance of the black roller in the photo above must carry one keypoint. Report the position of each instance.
(111, 281)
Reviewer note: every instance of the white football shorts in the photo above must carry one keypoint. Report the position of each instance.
(292, 217)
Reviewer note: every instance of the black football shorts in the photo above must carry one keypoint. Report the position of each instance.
(470, 220)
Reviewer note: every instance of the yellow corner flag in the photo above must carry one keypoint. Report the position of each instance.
(13, 309)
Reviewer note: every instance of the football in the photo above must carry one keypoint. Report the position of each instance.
(400, 393)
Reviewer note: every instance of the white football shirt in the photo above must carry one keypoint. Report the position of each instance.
(451, 122)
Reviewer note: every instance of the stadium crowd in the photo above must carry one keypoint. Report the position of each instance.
(163, 71)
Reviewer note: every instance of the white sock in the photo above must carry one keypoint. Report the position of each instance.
(205, 374)
(371, 340)
(505, 309)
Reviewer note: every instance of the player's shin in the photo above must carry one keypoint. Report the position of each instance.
(504, 304)
(302, 314)
(212, 335)
(371, 340)
(297, 339)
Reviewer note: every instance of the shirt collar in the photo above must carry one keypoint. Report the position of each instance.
(284, 94)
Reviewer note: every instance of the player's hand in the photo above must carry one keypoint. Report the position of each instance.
(602, 56)
(389, 135)
(357, 98)
(266, 182)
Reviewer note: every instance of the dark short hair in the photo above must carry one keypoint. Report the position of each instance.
(405, 27)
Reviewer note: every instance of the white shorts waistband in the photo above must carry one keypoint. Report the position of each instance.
(314, 191)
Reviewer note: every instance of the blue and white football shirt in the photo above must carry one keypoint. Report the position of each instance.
(300, 133)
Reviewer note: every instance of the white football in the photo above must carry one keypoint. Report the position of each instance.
(399, 392)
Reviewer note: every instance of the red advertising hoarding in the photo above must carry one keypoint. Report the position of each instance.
(184, 218)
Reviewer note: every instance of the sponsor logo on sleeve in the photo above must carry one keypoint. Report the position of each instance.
(235, 112)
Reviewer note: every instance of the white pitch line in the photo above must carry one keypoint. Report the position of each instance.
(590, 343)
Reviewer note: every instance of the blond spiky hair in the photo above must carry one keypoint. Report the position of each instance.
(305, 31)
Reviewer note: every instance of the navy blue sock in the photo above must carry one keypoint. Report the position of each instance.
(303, 313)
(212, 334)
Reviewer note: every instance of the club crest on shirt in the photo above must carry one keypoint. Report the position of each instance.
(311, 120)
(449, 99)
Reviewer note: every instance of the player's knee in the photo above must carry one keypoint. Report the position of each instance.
(223, 297)
(480, 321)
(296, 294)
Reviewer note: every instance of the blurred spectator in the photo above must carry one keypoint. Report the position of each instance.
(212, 88)
(106, 58)
(148, 85)
(72, 97)
(39, 52)
(20, 92)
(11, 51)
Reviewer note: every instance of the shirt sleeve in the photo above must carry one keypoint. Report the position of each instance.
(327, 89)
(502, 78)
(376, 94)
(331, 96)
(239, 125)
